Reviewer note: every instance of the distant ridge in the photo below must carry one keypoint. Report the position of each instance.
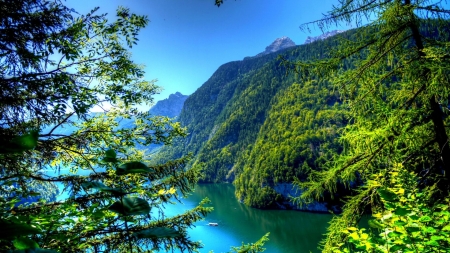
(279, 44)
(323, 36)
(170, 107)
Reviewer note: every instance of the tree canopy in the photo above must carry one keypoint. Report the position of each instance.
(56, 65)
(396, 91)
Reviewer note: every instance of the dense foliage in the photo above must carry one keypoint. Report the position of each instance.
(56, 65)
(397, 97)
(238, 109)
(299, 135)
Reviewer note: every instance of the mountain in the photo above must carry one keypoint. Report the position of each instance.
(323, 36)
(279, 44)
(252, 124)
(276, 46)
(170, 107)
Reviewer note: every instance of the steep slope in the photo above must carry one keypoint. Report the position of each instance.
(208, 107)
(169, 107)
(225, 115)
(298, 136)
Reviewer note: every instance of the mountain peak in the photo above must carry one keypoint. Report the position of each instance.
(279, 44)
(323, 36)
(170, 107)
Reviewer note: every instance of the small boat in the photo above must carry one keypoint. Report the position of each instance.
(213, 224)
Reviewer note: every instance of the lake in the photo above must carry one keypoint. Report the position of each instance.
(290, 231)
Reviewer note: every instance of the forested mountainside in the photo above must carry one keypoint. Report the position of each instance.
(247, 103)
(255, 124)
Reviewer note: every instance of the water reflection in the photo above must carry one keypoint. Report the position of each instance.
(290, 231)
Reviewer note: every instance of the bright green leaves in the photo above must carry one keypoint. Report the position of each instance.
(386, 195)
(132, 167)
(130, 206)
(406, 223)
(157, 232)
(252, 247)
(375, 224)
(25, 243)
(21, 143)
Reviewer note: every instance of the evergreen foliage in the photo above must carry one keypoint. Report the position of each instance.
(298, 136)
(397, 99)
(56, 65)
(225, 116)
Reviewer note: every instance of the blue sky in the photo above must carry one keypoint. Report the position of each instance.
(186, 41)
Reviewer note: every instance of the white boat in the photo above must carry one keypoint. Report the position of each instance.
(213, 224)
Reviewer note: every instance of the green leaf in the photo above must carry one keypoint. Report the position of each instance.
(110, 156)
(400, 223)
(109, 160)
(103, 188)
(375, 224)
(412, 229)
(158, 232)
(402, 211)
(110, 153)
(394, 234)
(132, 167)
(425, 218)
(436, 238)
(432, 243)
(397, 248)
(414, 217)
(130, 206)
(386, 194)
(430, 230)
(25, 243)
(93, 185)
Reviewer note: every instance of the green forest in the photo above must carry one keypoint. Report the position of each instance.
(358, 122)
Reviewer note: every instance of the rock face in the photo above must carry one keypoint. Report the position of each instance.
(170, 107)
(277, 45)
(323, 36)
(288, 190)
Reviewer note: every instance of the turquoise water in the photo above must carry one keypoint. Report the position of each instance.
(290, 231)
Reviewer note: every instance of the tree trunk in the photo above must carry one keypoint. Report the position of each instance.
(436, 111)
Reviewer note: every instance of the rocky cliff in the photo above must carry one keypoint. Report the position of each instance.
(170, 107)
(279, 44)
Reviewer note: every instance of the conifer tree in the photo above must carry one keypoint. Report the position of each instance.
(56, 65)
(393, 76)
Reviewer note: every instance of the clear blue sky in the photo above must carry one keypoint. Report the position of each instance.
(187, 40)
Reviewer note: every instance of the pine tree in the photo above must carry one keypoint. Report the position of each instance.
(393, 76)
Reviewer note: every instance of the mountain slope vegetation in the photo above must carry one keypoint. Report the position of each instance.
(258, 125)
(237, 110)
